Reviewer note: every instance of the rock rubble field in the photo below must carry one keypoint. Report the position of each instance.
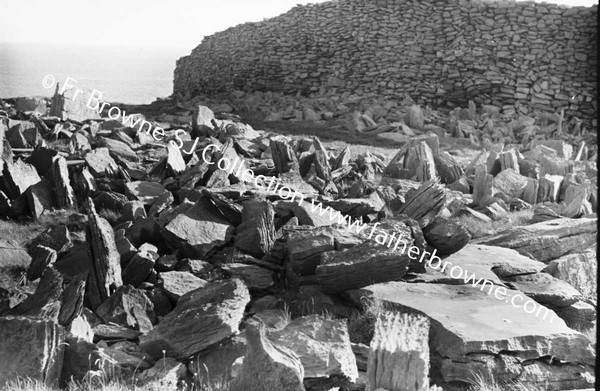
(154, 265)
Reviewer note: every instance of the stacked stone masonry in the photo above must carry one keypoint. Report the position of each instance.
(533, 56)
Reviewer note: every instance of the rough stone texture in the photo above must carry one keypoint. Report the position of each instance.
(72, 104)
(268, 366)
(255, 277)
(30, 348)
(199, 230)
(100, 163)
(547, 240)
(322, 345)
(202, 318)
(146, 192)
(472, 332)
(533, 56)
(176, 284)
(59, 175)
(579, 270)
(128, 307)
(399, 354)
(362, 265)
(105, 277)
(164, 375)
(256, 234)
(18, 177)
(42, 257)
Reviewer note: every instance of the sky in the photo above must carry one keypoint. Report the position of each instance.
(148, 23)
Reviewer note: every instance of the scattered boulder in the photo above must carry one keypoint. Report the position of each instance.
(322, 345)
(268, 366)
(202, 317)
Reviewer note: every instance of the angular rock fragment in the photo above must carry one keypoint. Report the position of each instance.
(40, 198)
(202, 318)
(510, 182)
(105, 277)
(128, 307)
(199, 230)
(399, 353)
(255, 277)
(61, 184)
(100, 163)
(424, 204)
(71, 104)
(547, 240)
(449, 170)
(483, 184)
(545, 289)
(72, 302)
(17, 177)
(362, 265)
(42, 257)
(118, 150)
(177, 284)
(579, 270)
(45, 302)
(322, 345)
(31, 349)
(446, 235)
(138, 269)
(268, 366)
(145, 192)
(256, 234)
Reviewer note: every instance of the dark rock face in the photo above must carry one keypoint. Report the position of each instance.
(105, 277)
(202, 317)
(256, 234)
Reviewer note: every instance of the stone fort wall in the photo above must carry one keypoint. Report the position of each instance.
(526, 55)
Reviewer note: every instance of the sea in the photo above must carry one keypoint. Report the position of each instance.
(123, 74)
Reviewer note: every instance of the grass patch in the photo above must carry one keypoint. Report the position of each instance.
(485, 383)
(479, 229)
(362, 326)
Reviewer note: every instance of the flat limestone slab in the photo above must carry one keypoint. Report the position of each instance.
(473, 332)
(547, 240)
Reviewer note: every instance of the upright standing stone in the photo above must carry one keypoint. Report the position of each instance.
(256, 234)
(105, 276)
(399, 356)
(30, 348)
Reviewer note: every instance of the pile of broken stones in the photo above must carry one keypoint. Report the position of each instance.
(200, 275)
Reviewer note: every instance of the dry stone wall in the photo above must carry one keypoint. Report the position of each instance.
(520, 56)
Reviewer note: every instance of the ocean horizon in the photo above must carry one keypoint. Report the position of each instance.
(129, 75)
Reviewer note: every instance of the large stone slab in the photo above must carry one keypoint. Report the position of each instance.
(579, 270)
(268, 366)
(198, 231)
(322, 345)
(72, 104)
(30, 348)
(256, 234)
(547, 240)
(201, 319)
(17, 177)
(473, 332)
(145, 192)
